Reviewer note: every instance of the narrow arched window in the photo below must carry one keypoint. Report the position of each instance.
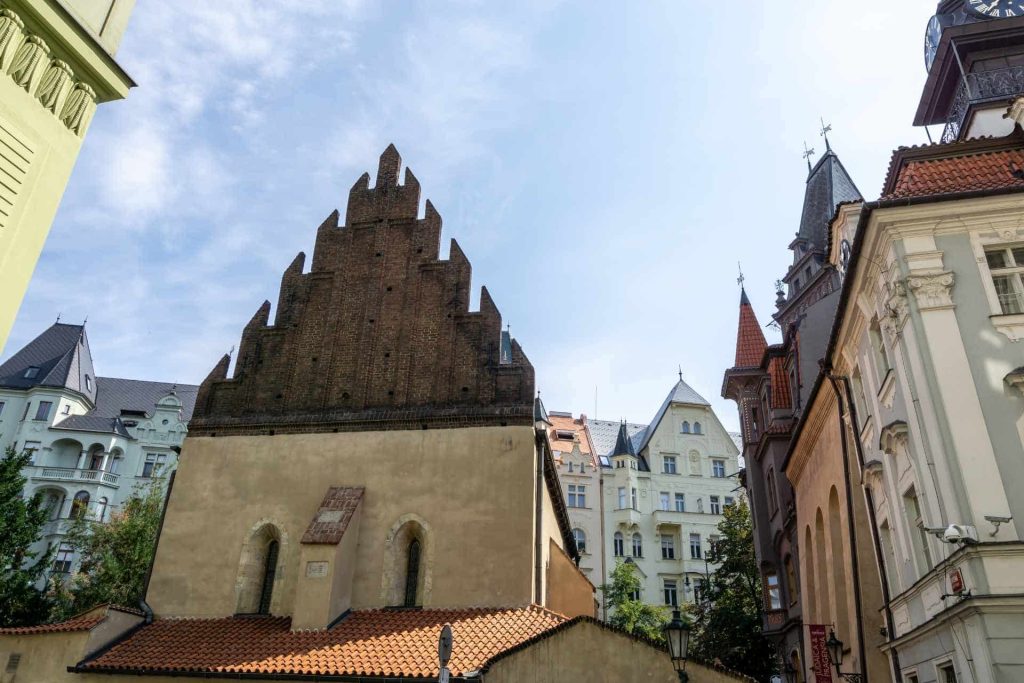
(269, 572)
(80, 505)
(638, 546)
(686, 427)
(618, 548)
(412, 573)
(696, 427)
(581, 540)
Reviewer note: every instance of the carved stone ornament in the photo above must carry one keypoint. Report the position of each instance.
(1016, 111)
(11, 27)
(933, 291)
(55, 84)
(27, 59)
(1016, 379)
(894, 438)
(78, 109)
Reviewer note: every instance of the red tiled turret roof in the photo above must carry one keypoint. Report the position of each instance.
(750, 341)
(365, 643)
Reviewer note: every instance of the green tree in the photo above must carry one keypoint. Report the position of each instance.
(21, 523)
(729, 613)
(115, 556)
(631, 615)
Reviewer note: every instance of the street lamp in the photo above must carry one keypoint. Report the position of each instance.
(835, 653)
(677, 633)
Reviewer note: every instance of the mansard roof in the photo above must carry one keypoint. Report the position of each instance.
(61, 354)
(828, 185)
(750, 341)
(377, 335)
(604, 435)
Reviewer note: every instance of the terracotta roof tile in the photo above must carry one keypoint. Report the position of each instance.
(750, 341)
(576, 425)
(366, 643)
(994, 170)
(781, 397)
(80, 623)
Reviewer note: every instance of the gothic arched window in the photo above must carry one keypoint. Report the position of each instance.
(269, 572)
(412, 573)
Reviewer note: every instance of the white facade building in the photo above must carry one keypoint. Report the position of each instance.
(665, 485)
(94, 439)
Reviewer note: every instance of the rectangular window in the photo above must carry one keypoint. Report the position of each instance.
(773, 503)
(32, 372)
(32, 447)
(716, 505)
(63, 559)
(154, 464)
(718, 469)
(947, 674)
(729, 500)
(577, 496)
(665, 501)
(680, 502)
(622, 497)
(668, 547)
(635, 506)
(919, 537)
(671, 594)
(24, 415)
(698, 589)
(695, 546)
(670, 464)
(2, 407)
(772, 592)
(635, 595)
(912, 678)
(43, 410)
(1007, 267)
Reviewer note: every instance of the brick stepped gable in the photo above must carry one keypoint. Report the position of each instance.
(377, 336)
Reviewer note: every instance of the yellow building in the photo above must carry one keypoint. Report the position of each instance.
(56, 64)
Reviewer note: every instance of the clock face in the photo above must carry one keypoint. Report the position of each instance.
(997, 9)
(932, 35)
(844, 254)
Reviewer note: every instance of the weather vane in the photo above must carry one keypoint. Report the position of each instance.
(826, 128)
(740, 280)
(808, 153)
(680, 373)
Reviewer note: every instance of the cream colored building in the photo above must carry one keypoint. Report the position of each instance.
(56, 65)
(665, 485)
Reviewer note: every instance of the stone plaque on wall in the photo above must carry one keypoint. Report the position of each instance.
(316, 570)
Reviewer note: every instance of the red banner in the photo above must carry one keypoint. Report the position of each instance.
(819, 654)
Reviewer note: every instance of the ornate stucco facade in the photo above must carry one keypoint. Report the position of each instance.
(56, 65)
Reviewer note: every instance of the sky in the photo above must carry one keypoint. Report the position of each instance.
(604, 165)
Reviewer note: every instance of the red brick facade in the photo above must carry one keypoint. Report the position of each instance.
(377, 336)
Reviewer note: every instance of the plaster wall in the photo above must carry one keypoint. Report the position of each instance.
(45, 657)
(473, 487)
(569, 591)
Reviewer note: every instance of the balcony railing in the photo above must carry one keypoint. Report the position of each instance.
(976, 88)
(75, 475)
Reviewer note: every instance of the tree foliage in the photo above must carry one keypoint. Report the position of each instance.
(21, 524)
(631, 615)
(115, 556)
(729, 615)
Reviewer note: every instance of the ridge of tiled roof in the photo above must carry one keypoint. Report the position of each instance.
(365, 643)
(81, 623)
(945, 150)
(62, 354)
(996, 170)
(750, 340)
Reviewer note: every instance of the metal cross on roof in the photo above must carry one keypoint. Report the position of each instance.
(808, 153)
(826, 128)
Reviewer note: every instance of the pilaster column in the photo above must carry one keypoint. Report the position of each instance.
(106, 459)
(81, 460)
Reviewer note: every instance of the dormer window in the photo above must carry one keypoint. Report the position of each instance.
(564, 434)
(88, 383)
(32, 372)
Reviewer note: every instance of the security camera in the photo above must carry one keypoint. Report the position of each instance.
(997, 520)
(960, 533)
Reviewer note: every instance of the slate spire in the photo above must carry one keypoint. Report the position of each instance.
(623, 444)
(750, 341)
(828, 185)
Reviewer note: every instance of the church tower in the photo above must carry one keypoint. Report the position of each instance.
(974, 54)
(56, 64)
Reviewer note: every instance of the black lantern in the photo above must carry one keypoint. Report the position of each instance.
(835, 649)
(677, 633)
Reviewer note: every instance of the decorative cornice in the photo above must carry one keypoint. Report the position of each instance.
(1011, 326)
(1016, 379)
(26, 59)
(932, 290)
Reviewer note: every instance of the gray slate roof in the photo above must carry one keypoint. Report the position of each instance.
(63, 357)
(603, 434)
(680, 393)
(114, 395)
(828, 185)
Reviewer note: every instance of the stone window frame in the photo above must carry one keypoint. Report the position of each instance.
(1010, 325)
(666, 460)
(392, 591)
(668, 546)
(252, 565)
(944, 663)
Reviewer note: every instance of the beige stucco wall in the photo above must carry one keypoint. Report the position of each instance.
(588, 653)
(473, 488)
(569, 591)
(44, 657)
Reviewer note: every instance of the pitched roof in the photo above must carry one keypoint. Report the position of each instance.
(623, 443)
(828, 185)
(365, 643)
(115, 395)
(680, 393)
(604, 434)
(82, 622)
(750, 341)
(997, 170)
(566, 422)
(61, 354)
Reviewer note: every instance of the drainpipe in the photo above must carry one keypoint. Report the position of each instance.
(894, 657)
(852, 527)
(538, 514)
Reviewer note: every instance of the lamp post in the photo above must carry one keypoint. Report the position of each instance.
(677, 633)
(835, 653)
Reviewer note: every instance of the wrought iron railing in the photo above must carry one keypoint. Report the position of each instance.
(981, 87)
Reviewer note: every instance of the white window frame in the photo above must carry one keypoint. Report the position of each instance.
(665, 501)
(669, 464)
(1011, 325)
(695, 547)
(158, 462)
(582, 547)
(680, 502)
(668, 546)
(945, 663)
(636, 544)
(622, 498)
(715, 468)
(670, 588)
(716, 505)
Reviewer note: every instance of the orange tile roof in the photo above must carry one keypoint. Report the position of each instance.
(750, 341)
(79, 623)
(781, 397)
(994, 170)
(561, 422)
(365, 643)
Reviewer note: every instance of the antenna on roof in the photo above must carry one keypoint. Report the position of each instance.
(808, 153)
(86, 320)
(825, 129)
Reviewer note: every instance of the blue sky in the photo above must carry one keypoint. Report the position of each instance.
(604, 165)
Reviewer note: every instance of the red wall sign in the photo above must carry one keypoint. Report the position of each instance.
(819, 654)
(956, 582)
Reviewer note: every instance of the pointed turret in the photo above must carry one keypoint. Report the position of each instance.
(623, 444)
(750, 341)
(59, 357)
(828, 185)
